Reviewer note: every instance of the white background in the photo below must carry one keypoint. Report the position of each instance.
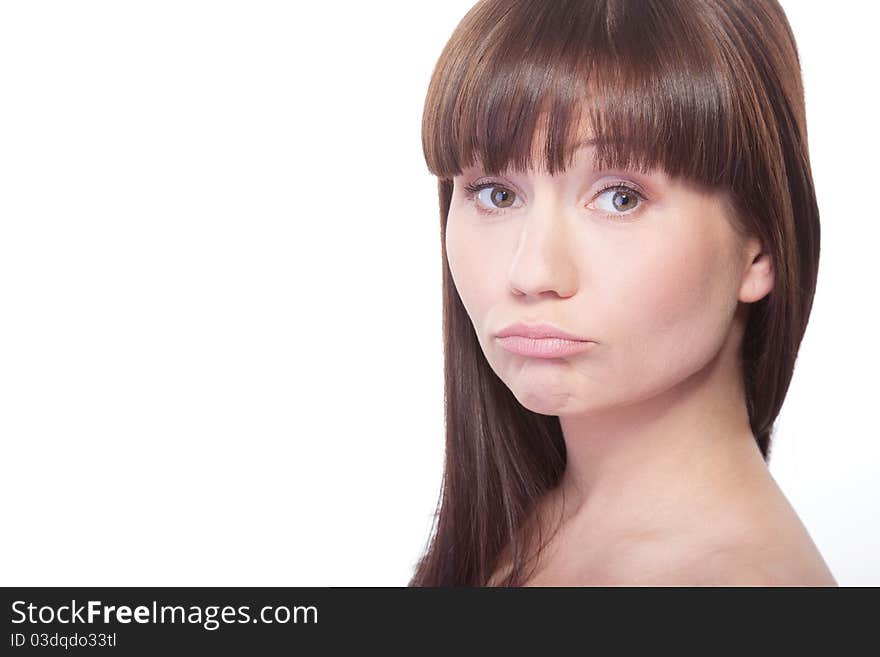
(220, 301)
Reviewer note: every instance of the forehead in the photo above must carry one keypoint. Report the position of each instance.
(582, 154)
(549, 133)
(581, 160)
(581, 143)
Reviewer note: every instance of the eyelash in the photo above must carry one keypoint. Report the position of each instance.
(475, 188)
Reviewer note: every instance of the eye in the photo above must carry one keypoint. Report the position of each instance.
(621, 199)
(493, 198)
(496, 200)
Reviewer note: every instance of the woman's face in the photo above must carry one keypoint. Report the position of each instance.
(653, 276)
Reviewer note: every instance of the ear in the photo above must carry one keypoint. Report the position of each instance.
(758, 277)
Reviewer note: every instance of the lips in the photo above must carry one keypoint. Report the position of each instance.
(541, 341)
(538, 331)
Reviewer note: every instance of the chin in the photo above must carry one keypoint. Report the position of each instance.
(545, 403)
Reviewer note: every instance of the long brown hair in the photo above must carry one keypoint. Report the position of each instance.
(709, 90)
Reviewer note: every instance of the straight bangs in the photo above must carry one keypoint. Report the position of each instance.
(521, 85)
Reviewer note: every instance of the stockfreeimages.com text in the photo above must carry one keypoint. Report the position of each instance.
(210, 616)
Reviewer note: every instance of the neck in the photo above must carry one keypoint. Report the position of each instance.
(650, 463)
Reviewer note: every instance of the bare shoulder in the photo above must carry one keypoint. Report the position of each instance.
(762, 554)
(783, 554)
(762, 544)
(759, 568)
(735, 564)
(765, 543)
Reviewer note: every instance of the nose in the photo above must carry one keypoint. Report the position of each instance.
(543, 261)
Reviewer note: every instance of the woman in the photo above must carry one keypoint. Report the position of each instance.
(630, 243)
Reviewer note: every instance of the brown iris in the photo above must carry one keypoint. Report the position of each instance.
(502, 197)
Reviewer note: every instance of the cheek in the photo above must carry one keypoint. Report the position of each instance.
(466, 254)
(673, 302)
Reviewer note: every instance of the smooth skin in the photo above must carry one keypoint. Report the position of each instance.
(664, 483)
